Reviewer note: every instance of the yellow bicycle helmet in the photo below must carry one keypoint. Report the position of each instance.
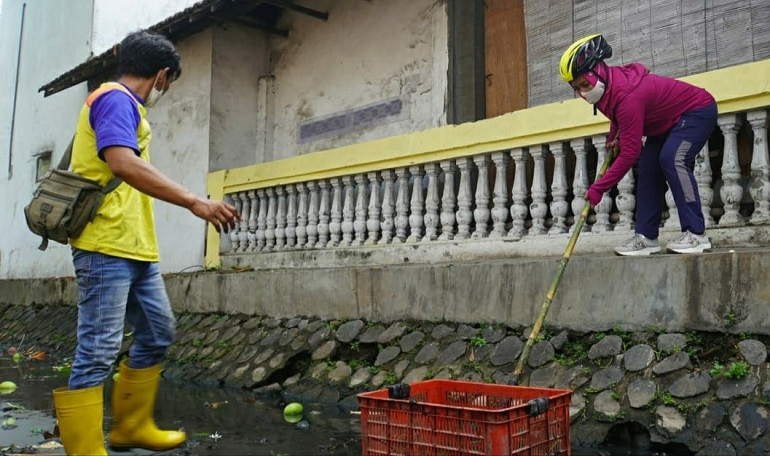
(583, 55)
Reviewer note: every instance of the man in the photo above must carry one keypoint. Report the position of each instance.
(116, 257)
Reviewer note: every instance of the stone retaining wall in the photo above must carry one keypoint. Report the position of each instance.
(709, 392)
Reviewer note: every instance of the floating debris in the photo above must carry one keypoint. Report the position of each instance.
(9, 423)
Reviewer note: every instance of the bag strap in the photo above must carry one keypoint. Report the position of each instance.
(64, 164)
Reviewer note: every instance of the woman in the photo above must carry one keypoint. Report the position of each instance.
(677, 118)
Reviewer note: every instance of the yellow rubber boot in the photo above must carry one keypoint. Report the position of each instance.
(80, 414)
(133, 402)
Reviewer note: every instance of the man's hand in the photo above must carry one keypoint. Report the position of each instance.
(220, 214)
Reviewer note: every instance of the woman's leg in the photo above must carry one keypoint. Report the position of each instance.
(686, 139)
(650, 189)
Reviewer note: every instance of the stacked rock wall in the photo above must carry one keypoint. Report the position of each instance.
(708, 392)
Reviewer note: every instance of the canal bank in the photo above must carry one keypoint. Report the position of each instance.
(703, 393)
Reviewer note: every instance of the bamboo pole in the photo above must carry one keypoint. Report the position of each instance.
(557, 278)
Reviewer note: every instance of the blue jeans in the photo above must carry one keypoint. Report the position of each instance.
(669, 158)
(110, 290)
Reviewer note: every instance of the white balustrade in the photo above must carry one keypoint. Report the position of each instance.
(402, 205)
(375, 208)
(262, 219)
(280, 221)
(604, 207)
(760, 168)
(335, 227)
(359, 224)
(538, 208)
(626, 202)
(559, 189)
(243, 225)
(291, 217)
(252, 235)
(347, 211)
(580, 180)
(432, 203)
(388, 207)
(462, 199)
(500, 195)
(313, 223)
(324, 212)
(519, 207)
(270, 229)
(416, 205)
(481, 213)
(732, 192)
(448, 201)
(234, 239)
(302, 215)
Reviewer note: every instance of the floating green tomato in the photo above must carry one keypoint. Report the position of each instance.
(7, 387)
(292, 413)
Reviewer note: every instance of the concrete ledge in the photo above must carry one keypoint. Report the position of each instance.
(719, 291)
(474, 250)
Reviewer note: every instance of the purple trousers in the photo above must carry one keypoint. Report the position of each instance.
(669, 159)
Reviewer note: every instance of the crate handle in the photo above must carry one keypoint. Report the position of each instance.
(538, 406)
(399, 391)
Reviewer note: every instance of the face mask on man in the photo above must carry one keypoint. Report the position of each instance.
(154, 95)
(594, 95)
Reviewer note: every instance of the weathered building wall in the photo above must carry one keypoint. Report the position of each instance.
(179, 149)
(56, 37)
(238, 59)
(180, 125)
(672, 38)
(365, 55)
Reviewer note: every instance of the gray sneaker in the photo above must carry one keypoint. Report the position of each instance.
(688, 242)
(639, 245)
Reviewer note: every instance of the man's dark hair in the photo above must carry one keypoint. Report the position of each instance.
(144, 54)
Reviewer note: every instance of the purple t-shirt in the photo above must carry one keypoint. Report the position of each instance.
(115, 118)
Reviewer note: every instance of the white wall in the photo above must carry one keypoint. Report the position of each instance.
(113, 20)
(56, 38)
(239, 58)
(368, 51)
(180, 149)
(220, 113)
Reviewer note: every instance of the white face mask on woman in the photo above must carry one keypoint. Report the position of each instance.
(154, 95)
(594, 95)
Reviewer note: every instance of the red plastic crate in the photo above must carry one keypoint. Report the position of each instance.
(447, 418)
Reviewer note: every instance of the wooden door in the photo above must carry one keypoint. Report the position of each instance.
(505, 57)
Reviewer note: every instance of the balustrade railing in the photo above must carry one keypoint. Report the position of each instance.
(500, 194)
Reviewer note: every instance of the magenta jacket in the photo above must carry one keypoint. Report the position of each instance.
(639, 103)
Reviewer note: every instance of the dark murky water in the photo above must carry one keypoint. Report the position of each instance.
(246, 426)
(243, 425)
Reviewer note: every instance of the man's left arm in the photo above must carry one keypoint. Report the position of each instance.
(144, 177)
